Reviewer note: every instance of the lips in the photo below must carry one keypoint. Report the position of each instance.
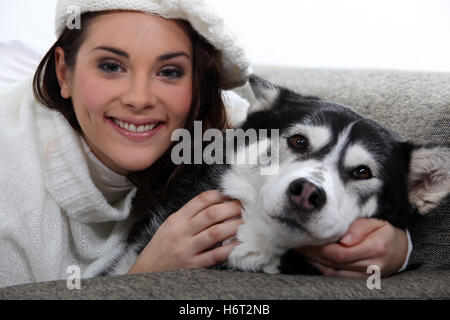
(136, 130)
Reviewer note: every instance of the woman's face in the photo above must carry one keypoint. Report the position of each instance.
(131, 87)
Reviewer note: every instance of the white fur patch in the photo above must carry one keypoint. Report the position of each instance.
(369, 208)
(356, 155)
(342, 140)
(318, 136)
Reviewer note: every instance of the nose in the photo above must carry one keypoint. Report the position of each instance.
(306, 196)
(139, 95)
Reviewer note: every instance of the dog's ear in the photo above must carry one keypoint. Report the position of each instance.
(429, 176)
(265, 92)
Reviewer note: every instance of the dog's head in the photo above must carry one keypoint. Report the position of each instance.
(333, 166)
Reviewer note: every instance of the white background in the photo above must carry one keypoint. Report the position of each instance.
(387, 34)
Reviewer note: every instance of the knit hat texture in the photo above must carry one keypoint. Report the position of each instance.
(235, 65)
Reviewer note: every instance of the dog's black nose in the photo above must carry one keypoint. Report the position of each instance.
(306, 196)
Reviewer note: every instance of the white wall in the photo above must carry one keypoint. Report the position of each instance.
(393, 34)
(30, 20)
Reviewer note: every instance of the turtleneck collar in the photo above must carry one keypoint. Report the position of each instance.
(112, 185)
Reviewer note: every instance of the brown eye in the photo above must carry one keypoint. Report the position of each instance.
(361, 173)
(298, 143)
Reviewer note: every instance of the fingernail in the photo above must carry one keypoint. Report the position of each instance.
(347, 239)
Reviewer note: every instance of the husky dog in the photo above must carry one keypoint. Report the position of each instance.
(333, 167)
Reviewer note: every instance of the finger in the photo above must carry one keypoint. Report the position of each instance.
(358, 266)
(201, 202)
(333, 254)
(216, 234)
(325, 270)
(349, 274)
(316, 254)
(359, 230)
(215, 256)
(336, 272)
(311, 253)
(336, 255)
(215, 214)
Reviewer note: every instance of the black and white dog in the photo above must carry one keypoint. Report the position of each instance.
(333, 166)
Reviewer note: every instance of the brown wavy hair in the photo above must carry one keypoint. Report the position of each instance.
(207, 104)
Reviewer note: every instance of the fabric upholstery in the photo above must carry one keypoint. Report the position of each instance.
(213, 284)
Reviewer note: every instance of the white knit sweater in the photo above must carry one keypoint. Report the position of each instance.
(52, 215)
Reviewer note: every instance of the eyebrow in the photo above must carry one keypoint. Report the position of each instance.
(166, 56)
(114, 50)
(171, 55)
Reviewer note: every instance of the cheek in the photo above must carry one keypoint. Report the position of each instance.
(91, 93)
(179, 100)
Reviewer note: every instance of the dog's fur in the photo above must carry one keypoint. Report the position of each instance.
(343, 167)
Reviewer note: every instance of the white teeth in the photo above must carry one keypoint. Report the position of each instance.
(132, 128)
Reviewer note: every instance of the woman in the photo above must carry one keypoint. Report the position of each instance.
(107, 97)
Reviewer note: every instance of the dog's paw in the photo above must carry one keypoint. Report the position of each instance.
(271, 268)
(254, 261)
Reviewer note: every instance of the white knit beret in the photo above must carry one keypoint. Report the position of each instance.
(235, 64)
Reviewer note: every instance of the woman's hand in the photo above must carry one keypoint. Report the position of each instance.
(183, 240)
(367, 242)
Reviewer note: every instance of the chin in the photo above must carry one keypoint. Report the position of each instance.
(136, 162)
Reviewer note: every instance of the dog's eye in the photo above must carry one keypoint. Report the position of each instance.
(298, 143)
(361, 173)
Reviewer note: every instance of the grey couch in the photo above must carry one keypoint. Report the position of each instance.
(416, 105)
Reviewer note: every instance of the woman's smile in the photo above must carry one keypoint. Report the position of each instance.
(136, 130)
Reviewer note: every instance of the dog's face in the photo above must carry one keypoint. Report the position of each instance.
(330, 173)
(333, 166)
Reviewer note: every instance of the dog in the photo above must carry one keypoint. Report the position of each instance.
(333, 166)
